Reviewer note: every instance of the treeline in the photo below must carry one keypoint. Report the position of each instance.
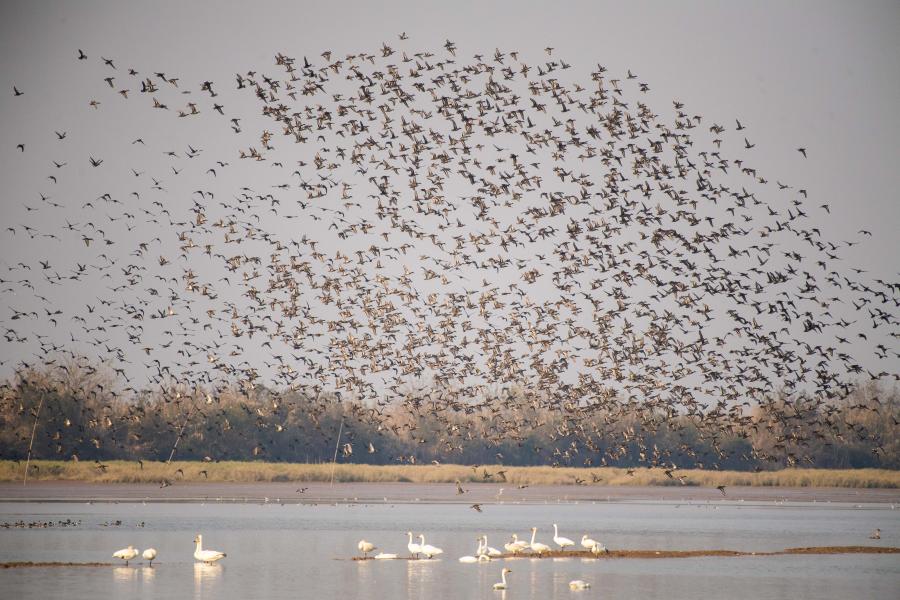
(78, 414)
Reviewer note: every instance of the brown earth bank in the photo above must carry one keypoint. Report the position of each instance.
(486, 494)
(21, 565)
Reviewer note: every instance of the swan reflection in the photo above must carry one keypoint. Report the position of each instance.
(205, 578)
(124, 574)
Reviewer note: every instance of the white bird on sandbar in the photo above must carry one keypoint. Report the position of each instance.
(427, 549)
(206, 556)
(150, 554)
(414, 549)
(537, 546)
(516, 545)
(562, 542)
(365, 547)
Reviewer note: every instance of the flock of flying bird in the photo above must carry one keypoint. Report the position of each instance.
(489, 236)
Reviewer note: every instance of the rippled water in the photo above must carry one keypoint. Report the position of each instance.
(303, 551)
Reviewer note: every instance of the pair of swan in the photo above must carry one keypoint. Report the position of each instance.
(422, 548)
(206, 556)
(482, 553)
(131, 552)
(366, 547)
(480, 556)
(516, 545)
(593, 545)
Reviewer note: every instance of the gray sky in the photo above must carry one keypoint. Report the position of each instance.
(821, 75)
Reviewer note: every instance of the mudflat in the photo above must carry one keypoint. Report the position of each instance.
(74, 491)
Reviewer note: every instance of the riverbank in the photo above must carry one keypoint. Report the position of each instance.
(510, 477)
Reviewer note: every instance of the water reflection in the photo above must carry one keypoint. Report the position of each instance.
(205, 578)
(147, 574)
(420, 574)
(125, 574)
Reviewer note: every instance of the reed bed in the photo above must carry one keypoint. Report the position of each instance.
(115, 471)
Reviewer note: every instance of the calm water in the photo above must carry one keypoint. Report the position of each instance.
(302, 551)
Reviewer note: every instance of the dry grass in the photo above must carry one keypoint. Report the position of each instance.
(133, 472)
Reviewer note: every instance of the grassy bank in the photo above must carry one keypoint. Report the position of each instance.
(155, 472)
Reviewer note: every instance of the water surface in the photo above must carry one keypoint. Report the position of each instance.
(303, 550)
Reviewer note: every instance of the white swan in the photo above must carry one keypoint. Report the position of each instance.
(414, 549)
(537, 546)
(384, 556)
(365, 547)
(492, 552)
(588, 543)
(579, 584)
(599, 548)
(562, 542)
(427, 549)
(502, 584)
(514, 546)
(150, 554)
(206, 556)
(126, 554)
(473, 559)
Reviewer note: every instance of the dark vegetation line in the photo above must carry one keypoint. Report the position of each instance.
(84, 418)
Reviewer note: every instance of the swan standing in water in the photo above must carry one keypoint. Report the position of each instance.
(206, 556)
(427, 549)
(414, 549)
(365, 547)
(150, 554)
(126, 554)
(537, 546)
(502, 584)
(562, 542)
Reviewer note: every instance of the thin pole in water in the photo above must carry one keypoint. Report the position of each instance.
(336, 444)
(31, 443)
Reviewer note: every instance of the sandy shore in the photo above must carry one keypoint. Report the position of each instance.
(70, 491)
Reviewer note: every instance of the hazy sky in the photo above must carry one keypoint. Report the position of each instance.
(821, 75)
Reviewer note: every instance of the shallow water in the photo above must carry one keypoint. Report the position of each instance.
(303, 550)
